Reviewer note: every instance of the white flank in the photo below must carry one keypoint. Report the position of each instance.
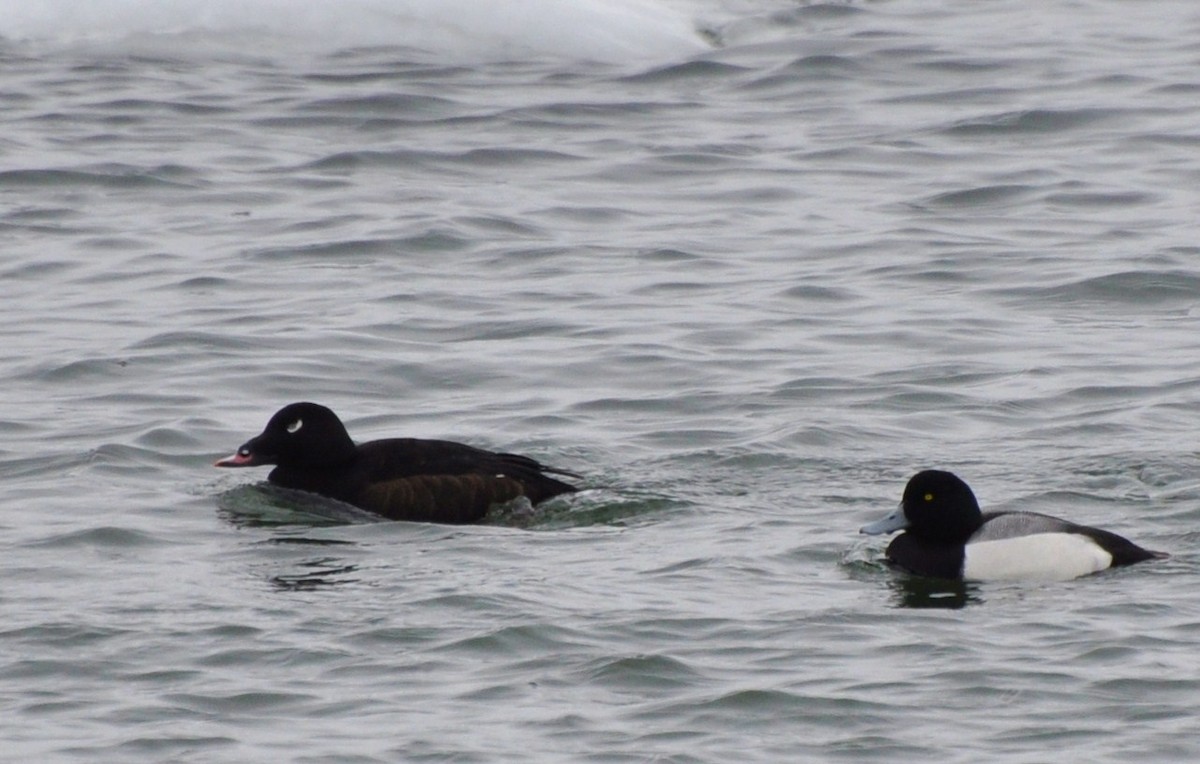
(1040, 557)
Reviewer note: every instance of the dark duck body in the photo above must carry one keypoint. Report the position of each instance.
(434, 481)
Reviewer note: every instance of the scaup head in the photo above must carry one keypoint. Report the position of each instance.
(937, 506)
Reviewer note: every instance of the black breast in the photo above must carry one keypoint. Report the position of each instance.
(925, 558)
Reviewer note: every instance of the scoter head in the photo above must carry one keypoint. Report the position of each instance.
(299, 435)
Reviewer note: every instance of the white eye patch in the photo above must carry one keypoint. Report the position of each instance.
(295, 426)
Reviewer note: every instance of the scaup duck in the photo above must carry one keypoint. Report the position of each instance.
(434, 481)
(946, 536)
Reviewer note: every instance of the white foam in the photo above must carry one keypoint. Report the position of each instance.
(604, 30)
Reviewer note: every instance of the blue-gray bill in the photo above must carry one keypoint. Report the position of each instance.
(894, 521)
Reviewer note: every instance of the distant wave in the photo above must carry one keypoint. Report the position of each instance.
(603, 30)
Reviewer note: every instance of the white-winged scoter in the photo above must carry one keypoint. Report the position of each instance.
(434, 481)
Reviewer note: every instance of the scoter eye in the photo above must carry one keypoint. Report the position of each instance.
(243, 452)
(928, 497)
(295, 426)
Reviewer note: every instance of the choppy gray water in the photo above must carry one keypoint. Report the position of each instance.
(747, 283)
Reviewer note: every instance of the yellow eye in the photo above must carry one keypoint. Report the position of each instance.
(928, 497)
